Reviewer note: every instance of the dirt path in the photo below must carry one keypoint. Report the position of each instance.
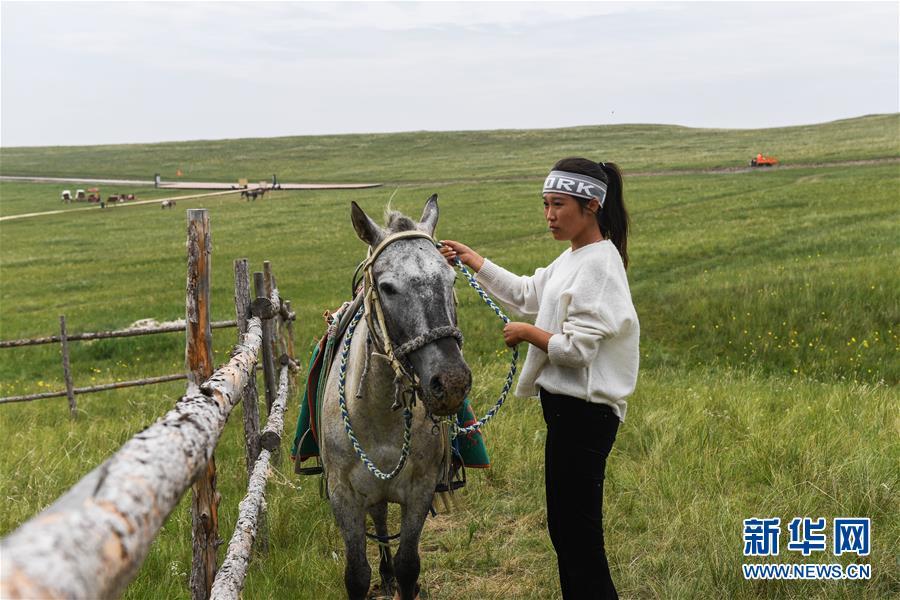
(118, 207)
(670, 172)
(189, 185)
(747, 169)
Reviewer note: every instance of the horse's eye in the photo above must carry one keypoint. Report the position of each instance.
(387, 288)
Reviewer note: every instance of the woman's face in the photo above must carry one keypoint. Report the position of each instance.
(566, 218)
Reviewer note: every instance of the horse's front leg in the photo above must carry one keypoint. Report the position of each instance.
(350, 515)
(406, 562)
(386, 566)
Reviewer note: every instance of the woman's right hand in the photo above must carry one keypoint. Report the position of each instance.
(451, 250)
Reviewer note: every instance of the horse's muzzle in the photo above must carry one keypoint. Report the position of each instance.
(446, 390)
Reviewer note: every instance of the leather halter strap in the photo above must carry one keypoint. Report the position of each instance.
(376, 322)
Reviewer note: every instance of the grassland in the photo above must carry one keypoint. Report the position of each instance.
(770, 337)
(428, 157)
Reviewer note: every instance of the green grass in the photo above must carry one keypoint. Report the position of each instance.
(769, 315)
(462, 155)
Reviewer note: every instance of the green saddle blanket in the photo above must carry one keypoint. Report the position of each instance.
(468, 449)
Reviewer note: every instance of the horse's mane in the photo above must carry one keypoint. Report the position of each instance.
(397, 221)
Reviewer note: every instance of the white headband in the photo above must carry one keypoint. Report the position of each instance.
(575, 184)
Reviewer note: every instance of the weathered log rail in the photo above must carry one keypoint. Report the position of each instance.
(91, 542)
(64, 338)
(95, 388)
(177, 327)
(230, 579)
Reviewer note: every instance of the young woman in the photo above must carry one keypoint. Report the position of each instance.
(583, 362)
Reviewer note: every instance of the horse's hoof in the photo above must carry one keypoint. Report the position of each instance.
(418, 593)
(376, 593)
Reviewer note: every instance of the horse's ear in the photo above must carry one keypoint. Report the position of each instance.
(428, 222)
(367, 230)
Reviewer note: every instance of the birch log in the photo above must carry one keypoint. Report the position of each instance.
(270, 439)
(230, 577)
(91, 542)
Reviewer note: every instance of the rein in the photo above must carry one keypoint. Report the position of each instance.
(404, 377)
(456, 430)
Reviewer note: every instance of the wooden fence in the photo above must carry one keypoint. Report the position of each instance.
(91, 542)
(64, 338)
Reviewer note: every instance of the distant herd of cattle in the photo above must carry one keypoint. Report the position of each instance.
(93, 195)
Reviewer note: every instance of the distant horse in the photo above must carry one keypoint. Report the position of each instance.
(167, 204)
(410, 313)
(252, 194)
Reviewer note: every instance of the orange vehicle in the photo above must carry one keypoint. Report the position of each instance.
(761, 160)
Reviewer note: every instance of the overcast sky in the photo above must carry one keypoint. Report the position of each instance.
(90, 73)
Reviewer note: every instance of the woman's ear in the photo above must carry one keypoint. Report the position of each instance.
(593, 205)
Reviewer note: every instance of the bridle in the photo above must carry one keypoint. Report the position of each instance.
(403, 373)
(397, 356)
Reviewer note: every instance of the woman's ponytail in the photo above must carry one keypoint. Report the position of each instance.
(613, 217)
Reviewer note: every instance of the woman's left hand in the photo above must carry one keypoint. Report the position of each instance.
(515, 333)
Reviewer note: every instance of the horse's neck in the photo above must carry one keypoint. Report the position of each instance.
(373, 383)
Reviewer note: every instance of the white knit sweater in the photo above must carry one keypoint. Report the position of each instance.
(583, 299)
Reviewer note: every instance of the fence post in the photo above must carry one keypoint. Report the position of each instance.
(199, 363)
(67, 369)
(267, 355)
(277, 333)
(289, 326)
(250, 396)
(271, 286)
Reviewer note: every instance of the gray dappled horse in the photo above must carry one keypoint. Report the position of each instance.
(415, 286)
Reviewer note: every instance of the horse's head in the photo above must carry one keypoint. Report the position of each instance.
(415, 287)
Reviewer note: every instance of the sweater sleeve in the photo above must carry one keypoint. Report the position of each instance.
(520, 293)
(588, 309)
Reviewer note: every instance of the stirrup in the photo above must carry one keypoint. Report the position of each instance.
(316, 470)
(456, 482)
(454, 485)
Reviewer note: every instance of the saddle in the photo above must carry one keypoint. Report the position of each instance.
(466, 451)
(306, 441)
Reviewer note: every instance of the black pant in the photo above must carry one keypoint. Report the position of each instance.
(580, 436)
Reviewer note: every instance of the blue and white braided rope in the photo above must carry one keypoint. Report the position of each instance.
(456, 430)
(342, 400)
